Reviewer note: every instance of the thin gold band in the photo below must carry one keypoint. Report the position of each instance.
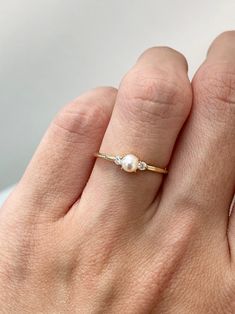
(141, 164)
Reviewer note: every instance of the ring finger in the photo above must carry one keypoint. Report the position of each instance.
(152, 104)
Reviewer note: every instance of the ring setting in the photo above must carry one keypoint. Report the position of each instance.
(131, 163)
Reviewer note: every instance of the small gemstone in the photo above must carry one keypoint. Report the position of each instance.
(142, 165)
(118, 160)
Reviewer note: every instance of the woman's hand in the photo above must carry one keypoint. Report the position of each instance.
(82, 236)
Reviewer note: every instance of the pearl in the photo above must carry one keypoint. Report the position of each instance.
(130, 163)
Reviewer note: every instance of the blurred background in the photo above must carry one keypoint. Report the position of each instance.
(53, 50)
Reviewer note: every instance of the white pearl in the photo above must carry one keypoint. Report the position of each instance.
(130, 163)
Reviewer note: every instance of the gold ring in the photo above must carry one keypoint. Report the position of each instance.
(131, 163)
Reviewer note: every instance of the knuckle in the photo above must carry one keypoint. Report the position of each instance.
(150, 96)
(214, 87)
(80, 119)
(139, 85)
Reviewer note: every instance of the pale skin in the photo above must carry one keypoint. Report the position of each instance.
(79, 235)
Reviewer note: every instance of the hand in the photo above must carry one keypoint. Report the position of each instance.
(82, 236)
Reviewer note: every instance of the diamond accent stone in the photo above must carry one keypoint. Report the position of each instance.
(118, 160)
(142, 165)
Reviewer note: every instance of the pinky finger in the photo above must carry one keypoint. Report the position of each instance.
(61, 166)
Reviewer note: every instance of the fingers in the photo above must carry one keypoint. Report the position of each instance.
(62, 164)
(204, 162)
(152, 104)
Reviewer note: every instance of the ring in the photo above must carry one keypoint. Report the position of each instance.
(130, 163)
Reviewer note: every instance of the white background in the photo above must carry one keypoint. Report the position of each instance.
(52, 50)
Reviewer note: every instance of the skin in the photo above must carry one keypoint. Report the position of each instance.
(78, 235)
